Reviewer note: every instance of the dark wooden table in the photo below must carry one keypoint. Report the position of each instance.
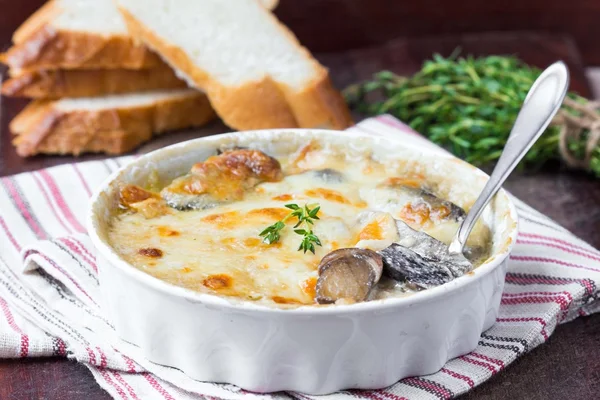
(566, 367)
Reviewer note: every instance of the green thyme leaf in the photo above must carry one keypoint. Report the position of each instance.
(305, 216)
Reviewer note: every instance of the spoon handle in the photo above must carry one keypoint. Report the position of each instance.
(541, 104)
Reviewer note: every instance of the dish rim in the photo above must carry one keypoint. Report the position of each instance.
(208, 299)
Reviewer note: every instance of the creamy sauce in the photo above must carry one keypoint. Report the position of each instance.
(218, 250)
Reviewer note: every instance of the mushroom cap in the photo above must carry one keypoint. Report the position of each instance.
(348, 274)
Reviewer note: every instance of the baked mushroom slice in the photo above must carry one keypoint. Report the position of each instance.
(181, 195)
(421, 260)
(404, 265)
(348, 275)
(329, 175)
(416, 205)
(446, 210)
(222, 178)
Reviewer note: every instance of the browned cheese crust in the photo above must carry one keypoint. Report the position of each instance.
(42, 128)
(89, 82)
(260, 104)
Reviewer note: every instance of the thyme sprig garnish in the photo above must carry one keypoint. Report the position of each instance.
(271, 234)
(306, 216)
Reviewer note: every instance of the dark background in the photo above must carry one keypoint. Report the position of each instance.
(338, 25)
(355, 38)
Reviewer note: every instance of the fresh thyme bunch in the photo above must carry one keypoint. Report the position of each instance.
(468, 106)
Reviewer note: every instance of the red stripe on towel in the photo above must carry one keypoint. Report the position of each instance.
(11, 322)
(462, 377)
(552, 261)
(26, 213)
(60, 200)
(558, 247)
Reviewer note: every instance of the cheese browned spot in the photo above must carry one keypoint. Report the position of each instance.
(151, 252)
(254, 242)
(149, 204)
(372, 231)
(130, 194)
(439, 213)
(411, 181)
(309, 286)
(150, 208)
(217, 282)
(302, 154)
(415, 214)
(328, 194)
(422, 214)
(283, 197)
(230, 174)
(244, 163)
(285, 300)
(226, 220)
(228, 241)
(274, 214)
(258, 244)
(223, 178)
(166, 231)
(188, 184)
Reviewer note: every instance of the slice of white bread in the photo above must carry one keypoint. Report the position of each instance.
(56, 83)
(111, 124)
(78, 34)
(253, 69)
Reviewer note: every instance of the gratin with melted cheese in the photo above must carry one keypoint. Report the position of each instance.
(202, 230)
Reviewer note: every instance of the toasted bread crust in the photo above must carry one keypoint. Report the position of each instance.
(37, 20)
(51, 84)
(320, 105)
(259, 104)
(38, 44)
(43, 128)
(48, 48)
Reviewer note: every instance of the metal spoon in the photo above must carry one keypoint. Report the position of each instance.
(427, 262)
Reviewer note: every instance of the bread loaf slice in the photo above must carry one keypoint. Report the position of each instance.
(253, 69)
(110, 124)
(78, 34)
(56, 83)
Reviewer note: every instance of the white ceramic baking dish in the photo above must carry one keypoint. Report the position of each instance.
(315, 350)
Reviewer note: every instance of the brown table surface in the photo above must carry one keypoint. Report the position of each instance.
(566, 367)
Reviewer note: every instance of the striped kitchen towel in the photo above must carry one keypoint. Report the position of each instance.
(49, 292)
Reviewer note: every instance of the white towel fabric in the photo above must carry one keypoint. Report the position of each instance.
(49, 292)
